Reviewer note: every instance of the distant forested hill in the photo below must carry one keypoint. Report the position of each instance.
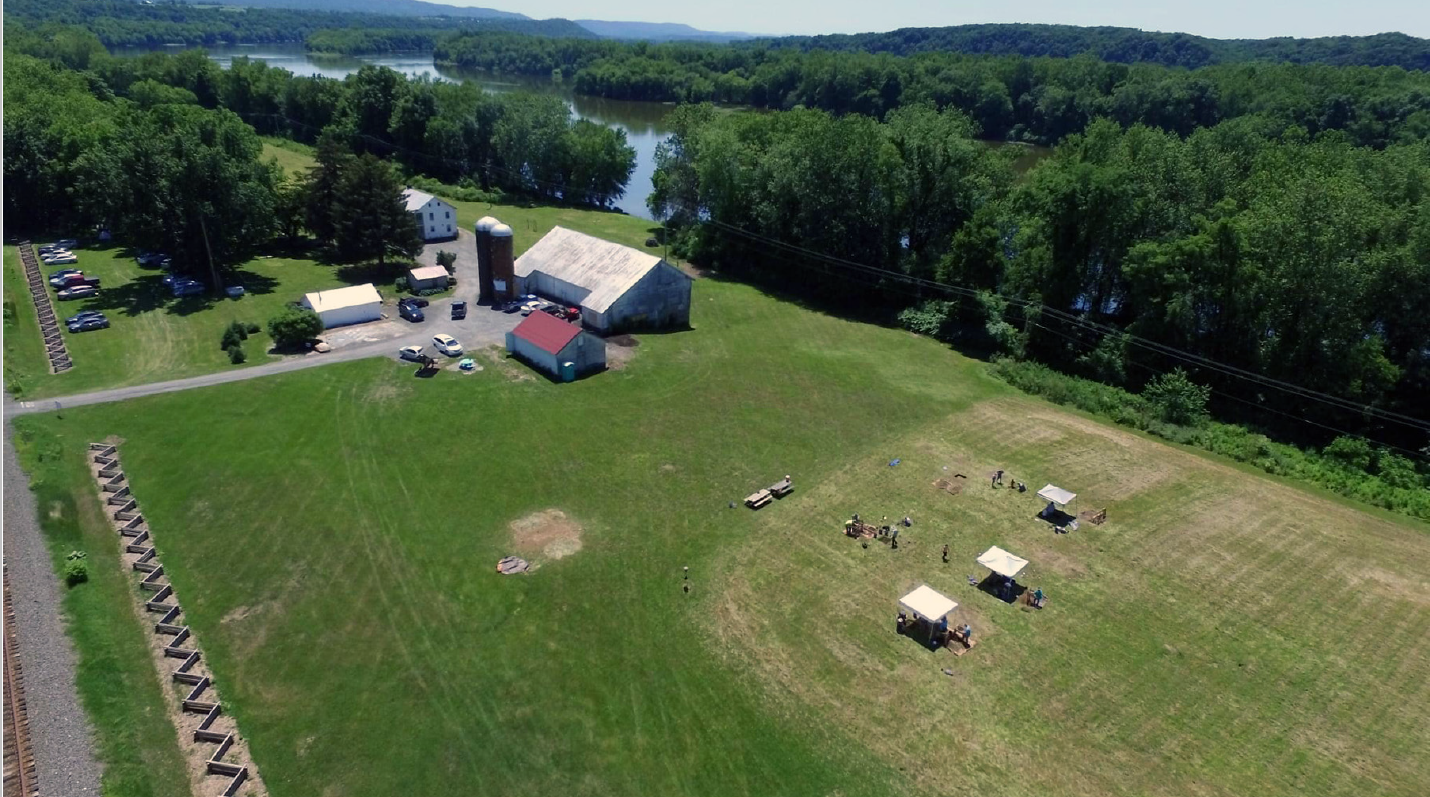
(1125, 45)
(657, 31)
(122, 23)
(401, 8)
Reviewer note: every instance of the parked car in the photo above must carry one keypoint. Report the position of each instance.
(48, 249)
(83, 314)
(67, 243)
(187, 287)
(417, 300)
(61, 259)
(63, 274)
(77, 292)
(72, 280)
(447, 344)
(413, 353)
(89, 323)
(411, 312)
(563, 313)
(459, 311)
(150, 258)
(511, 307)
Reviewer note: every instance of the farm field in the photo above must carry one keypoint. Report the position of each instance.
(1222, 634)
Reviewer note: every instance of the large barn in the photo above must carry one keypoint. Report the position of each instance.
(616, 287)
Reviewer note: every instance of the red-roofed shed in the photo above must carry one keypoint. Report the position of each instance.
(562, 350)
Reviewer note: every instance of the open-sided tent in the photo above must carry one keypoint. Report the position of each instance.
(1056, 495)
(1001, 562)
(928, 604)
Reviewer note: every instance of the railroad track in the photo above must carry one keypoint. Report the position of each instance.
(20, 778)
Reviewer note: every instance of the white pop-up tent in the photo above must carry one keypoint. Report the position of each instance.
(1001, 562)
(928, 604)
(1056, 495)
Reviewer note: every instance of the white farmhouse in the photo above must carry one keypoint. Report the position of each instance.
(435, 218)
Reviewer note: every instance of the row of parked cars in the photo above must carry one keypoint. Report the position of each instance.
(69, 283)
(530, 303)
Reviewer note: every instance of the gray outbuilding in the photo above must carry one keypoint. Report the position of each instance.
(617, 287)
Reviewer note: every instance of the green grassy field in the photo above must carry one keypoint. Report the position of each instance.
(296, 159)
(333, 534)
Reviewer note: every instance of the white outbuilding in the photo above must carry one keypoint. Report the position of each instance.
(343, 306)
(435, 217)
(616, 287)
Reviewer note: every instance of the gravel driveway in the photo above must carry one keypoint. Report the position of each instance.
(60, 734)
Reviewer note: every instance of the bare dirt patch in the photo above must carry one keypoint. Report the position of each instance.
(548, 532)
(383, 393)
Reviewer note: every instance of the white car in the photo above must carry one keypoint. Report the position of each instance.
(447, 344)
(60, 259)
(409, 353)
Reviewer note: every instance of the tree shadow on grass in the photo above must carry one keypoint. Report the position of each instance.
(359, 273)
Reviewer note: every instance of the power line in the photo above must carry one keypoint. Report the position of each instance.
(1150, 345)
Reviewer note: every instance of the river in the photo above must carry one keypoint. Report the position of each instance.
(642, 121)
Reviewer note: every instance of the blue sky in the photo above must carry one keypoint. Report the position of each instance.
(1223, 19)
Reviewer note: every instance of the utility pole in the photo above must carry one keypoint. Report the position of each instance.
(213, 271)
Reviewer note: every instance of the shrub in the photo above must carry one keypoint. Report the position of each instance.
(294, 326)
(252, 328)
(1177, 399)
(930, 318)
(240, 329)
(230, 339)
(237, 356)
(429, 291)
(445, 259)
(400, 285)
(1350, 452)
(76, 572)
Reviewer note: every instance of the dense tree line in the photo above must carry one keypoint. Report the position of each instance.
(514, 142)
(165, 174)
(1300, 257)
(125, 23)
(1037, 100)
(1125, 45)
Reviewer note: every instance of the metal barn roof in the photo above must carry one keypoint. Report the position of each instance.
(416, 200)
(428, 272)
(605, 269)
(546, 332)
(338, 298)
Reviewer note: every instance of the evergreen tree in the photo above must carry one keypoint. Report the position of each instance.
(333, 159)
(369, 215)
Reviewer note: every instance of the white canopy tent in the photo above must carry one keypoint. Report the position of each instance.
(928, 604)
(1002, 562)
(1057, 495)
